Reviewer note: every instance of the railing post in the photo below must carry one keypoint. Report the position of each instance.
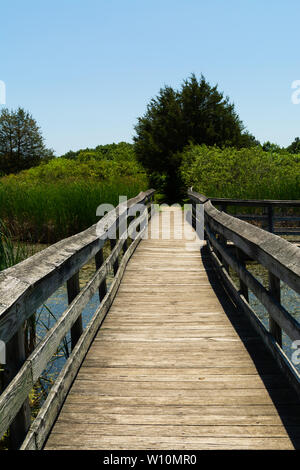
(73, 288)
(125, 226)
(113, 242)
(116, 263)
(223, 242)
(270, 219)
(99, 258)
(15, 358)
(194, 222)
(243, 287)
(274, 289)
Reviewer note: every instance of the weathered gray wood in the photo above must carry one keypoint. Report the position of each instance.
(271, 219)
(144, 376)
(277, 311)
(274, 288)
(47, 347)
(15, 358)
(243, 285)
(255, 202)
(133, 347)
(281, 259)
(13, 398)
(99, 259)
(25, 286)
(48, 413)
(223, 242)
(73, 289)
(282, 360)
(116, 263)
(276, 254)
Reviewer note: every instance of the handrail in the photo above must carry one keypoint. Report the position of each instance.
(25, 286)
(46, 271)
(280, 257)
(256, 202)
(268, 217)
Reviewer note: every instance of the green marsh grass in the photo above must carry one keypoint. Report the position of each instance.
(47, 212)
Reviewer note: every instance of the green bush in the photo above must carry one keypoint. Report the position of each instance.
(59, 198)
(245, 173)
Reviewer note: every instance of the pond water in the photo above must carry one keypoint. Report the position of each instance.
(48, 314)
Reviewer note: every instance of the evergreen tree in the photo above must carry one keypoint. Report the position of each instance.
(295, 146)
(198, 113)
(21, 142)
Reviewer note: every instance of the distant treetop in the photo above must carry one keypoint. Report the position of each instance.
(197, 113)
(21, 142)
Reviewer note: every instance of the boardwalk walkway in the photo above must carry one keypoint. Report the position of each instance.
(176, 366)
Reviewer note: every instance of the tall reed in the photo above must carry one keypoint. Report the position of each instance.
(47, 212)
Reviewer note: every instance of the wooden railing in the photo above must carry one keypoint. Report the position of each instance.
(231, 242)
(25, 287)
(268, 218)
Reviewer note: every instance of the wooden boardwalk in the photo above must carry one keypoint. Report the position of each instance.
(176, 366)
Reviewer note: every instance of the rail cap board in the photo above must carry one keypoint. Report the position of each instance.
(255, 202)
(281, 257)
(25, 286)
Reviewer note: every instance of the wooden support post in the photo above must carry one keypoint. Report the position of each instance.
(99, 258)
(15, 358)
(116, 263)
(270, 219)
(125, 227)
(194, 215)
(243, 287)
(125, 246)
(223, 242)
(274, 289)
(73, 288)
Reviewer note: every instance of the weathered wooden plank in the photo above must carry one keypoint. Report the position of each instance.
(73, 289)
(176, 383)
(177, 443)
(282, 360)
(79, 428)
(274, 288)
(46, 348)
(276, 254)
(146, 384)
(181, 415)
(48, 413)
(256, 202)
(25, 286)
(289, 324)
(13, 397)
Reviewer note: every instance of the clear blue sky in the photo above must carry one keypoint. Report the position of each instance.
(86, 69)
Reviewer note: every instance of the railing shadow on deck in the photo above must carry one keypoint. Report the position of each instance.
(263, 362)
(231, 242)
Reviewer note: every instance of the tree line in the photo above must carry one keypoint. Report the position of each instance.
(197, 113)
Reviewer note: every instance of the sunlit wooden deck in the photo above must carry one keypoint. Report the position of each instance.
(175, 365)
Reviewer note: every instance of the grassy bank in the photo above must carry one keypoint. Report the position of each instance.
(47, 212)
(60, 198)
